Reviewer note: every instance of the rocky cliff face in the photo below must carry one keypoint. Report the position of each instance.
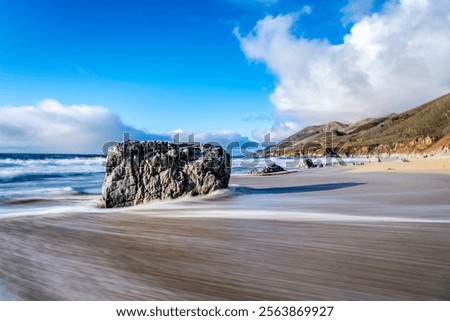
(139, 172)
(416, 146)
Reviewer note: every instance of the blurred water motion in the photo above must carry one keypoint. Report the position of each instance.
(327, 235)
(140, 258)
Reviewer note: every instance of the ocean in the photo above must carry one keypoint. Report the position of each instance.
(37, 182)
(300, 236)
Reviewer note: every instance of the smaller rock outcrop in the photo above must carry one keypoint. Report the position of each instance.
(270, 169)
(309, 163)
(139, 172)
(273, 168)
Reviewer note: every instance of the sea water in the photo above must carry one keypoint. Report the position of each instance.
(274, 215)
(40, 181)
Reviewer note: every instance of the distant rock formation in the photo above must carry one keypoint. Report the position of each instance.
(140, 172)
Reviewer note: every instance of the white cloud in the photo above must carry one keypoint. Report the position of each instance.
(49, 126)
(356, 10)
(279, 130)
(305, 10)
(390, 61)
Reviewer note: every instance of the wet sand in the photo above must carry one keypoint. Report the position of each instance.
(319, 234)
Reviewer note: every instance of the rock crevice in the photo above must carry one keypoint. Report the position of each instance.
(140, 172)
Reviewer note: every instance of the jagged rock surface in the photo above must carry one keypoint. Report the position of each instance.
(309, 163)
(273, 168)
(140, 172)
(269, 169)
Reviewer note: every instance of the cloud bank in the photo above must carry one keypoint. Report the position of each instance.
(355, 10)
(51, 127)
(390, 61)
(280, 129)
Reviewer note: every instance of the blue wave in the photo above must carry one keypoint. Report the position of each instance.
(26, 156)
(38, 177)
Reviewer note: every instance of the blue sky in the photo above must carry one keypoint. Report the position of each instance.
(190, 66)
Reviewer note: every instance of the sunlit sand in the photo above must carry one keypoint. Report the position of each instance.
(419, 164)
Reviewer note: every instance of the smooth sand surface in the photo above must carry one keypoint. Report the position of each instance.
(319, 234)
(432, 164)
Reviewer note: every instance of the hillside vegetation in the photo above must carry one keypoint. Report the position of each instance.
(424, 129)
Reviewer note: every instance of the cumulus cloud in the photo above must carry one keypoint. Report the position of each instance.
(356, 10)
(51, 127)
(389, 61)
(280, 130)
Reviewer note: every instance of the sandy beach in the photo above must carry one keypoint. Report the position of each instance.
(260, 150)
(359, 233)
(434, 164)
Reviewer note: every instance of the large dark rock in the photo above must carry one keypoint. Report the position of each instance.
(139, 172)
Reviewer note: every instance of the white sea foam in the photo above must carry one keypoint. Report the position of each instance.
(35, 185)
(16, 168)
(244, 165)
(33, 181)
(194, 209)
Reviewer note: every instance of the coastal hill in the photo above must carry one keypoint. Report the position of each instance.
(424, 129)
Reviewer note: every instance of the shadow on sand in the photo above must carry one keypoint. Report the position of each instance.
(297, 189)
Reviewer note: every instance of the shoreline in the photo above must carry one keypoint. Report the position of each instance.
(319, 234)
